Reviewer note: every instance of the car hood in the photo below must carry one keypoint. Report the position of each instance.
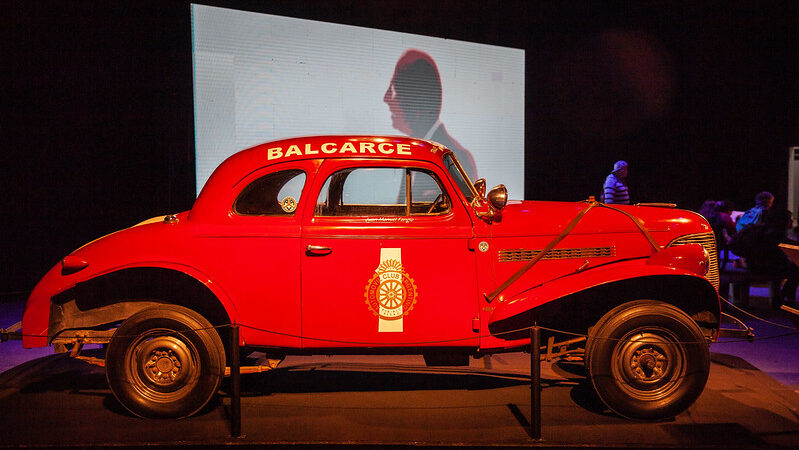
(537, 218)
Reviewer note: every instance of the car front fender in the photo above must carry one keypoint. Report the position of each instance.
(574, 302)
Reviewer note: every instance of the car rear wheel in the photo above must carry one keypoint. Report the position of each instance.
(165, 362)
(647, 360)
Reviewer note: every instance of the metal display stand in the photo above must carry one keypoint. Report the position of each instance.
(535, 382)
(235, 383)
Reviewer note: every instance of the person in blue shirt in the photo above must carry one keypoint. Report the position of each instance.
(763, 201)
(615, 188)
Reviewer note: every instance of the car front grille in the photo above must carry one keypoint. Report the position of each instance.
(708, 241)
(520, 254)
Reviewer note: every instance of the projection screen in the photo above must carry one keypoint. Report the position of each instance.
(260, 77)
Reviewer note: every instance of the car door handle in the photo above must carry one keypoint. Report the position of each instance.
(317, 250)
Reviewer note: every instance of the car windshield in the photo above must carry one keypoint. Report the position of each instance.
(461, 179)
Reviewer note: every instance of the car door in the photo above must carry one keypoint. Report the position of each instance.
(253, 255)
(386, 258)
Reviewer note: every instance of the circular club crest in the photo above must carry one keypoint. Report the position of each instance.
(289, 204)
(390, 293)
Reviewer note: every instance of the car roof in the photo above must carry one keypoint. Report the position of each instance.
(245, 162)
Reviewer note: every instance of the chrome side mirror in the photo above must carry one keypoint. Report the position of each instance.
(480, 186)
(498, 196)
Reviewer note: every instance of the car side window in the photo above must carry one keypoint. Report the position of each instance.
(383, 192)
(275, 194)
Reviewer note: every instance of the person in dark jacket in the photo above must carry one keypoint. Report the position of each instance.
(759, 246)
(720, 219)
(414, 98)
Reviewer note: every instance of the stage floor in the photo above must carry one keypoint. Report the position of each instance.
(396, 401)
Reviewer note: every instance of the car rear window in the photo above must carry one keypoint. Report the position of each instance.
(275, 194)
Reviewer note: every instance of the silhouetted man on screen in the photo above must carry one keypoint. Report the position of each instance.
(414, 98)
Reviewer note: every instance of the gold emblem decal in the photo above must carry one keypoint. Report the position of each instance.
(390, 293)
(289, 204)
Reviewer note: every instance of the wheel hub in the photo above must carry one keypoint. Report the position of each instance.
(164, 366)
(165, 362)
(648, 364)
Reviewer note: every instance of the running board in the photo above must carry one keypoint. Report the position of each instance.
(12, 333)
(794, 315)
(739, 333)
(271, 364)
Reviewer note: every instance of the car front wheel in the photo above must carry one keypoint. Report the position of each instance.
(647, 360)
(165, 362)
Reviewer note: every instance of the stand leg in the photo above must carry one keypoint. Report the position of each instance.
(535, 382)
(235, 383)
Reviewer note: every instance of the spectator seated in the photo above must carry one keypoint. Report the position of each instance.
(741, 279)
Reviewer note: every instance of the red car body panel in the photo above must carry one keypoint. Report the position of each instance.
(546, 292)
(356, 244)
(312, 282)
(619, 234)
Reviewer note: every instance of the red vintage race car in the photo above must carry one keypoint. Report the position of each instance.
(369, 244)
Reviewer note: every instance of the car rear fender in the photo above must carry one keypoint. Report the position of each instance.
(114, 296)
(574, 303)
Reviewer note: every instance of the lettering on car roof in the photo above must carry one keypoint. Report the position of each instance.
(331, 148)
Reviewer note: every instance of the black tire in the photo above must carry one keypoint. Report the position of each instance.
(647, 360)
(165, 362)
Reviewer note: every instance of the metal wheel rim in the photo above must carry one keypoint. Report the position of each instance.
(162, 365)
(649, 363)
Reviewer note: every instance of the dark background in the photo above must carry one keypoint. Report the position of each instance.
(97, 121)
